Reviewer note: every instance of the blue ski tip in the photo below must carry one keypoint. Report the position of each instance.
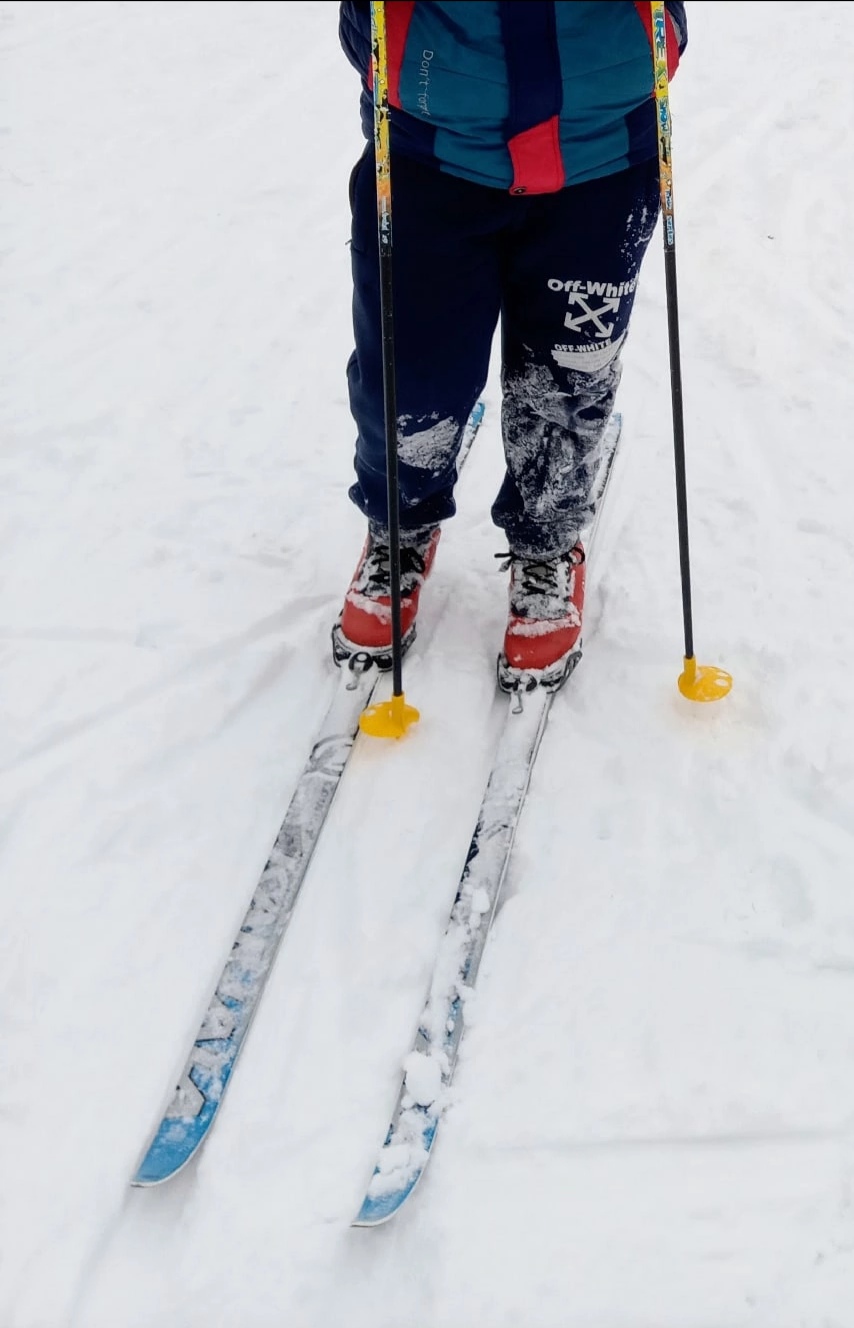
(399, 1168)
(185, 1125)
(374, 1212)
(378, 1208)
(174, 1145)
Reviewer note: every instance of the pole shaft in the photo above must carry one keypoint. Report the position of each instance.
(384, 237)
(665, 173)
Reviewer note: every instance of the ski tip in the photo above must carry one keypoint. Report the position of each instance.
(401, 1165)
(377, 1209)
(155, 1169)
(174, 1145)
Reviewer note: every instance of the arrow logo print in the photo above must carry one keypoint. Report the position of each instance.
(588, 315)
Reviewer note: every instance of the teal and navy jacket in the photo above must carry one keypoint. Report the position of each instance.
(523, 95)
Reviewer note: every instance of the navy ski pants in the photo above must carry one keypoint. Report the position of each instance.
(559, 272)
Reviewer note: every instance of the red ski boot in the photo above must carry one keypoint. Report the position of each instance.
(365, 622)
(542, 643)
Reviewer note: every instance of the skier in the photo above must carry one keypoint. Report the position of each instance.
(525, 191)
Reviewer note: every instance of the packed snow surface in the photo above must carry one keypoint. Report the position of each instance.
(652, 1119)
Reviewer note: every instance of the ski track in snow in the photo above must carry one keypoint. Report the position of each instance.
(652, 1120)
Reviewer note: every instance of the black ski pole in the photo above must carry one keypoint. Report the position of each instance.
(698, 682)
(387, 719)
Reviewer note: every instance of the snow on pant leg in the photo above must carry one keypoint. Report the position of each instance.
(570, 276)
(446, 292)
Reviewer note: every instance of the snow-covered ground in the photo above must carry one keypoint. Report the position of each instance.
(653, 1117)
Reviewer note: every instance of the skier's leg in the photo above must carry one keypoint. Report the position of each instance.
(568, 296)
(446, 295)
(570, 281)
(445, 273)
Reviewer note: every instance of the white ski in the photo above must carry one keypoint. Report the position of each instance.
(429, 1066)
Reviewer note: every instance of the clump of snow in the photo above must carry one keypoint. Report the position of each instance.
(398, 1164)
(479, 903)
(423, 1078)
(426, 448)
